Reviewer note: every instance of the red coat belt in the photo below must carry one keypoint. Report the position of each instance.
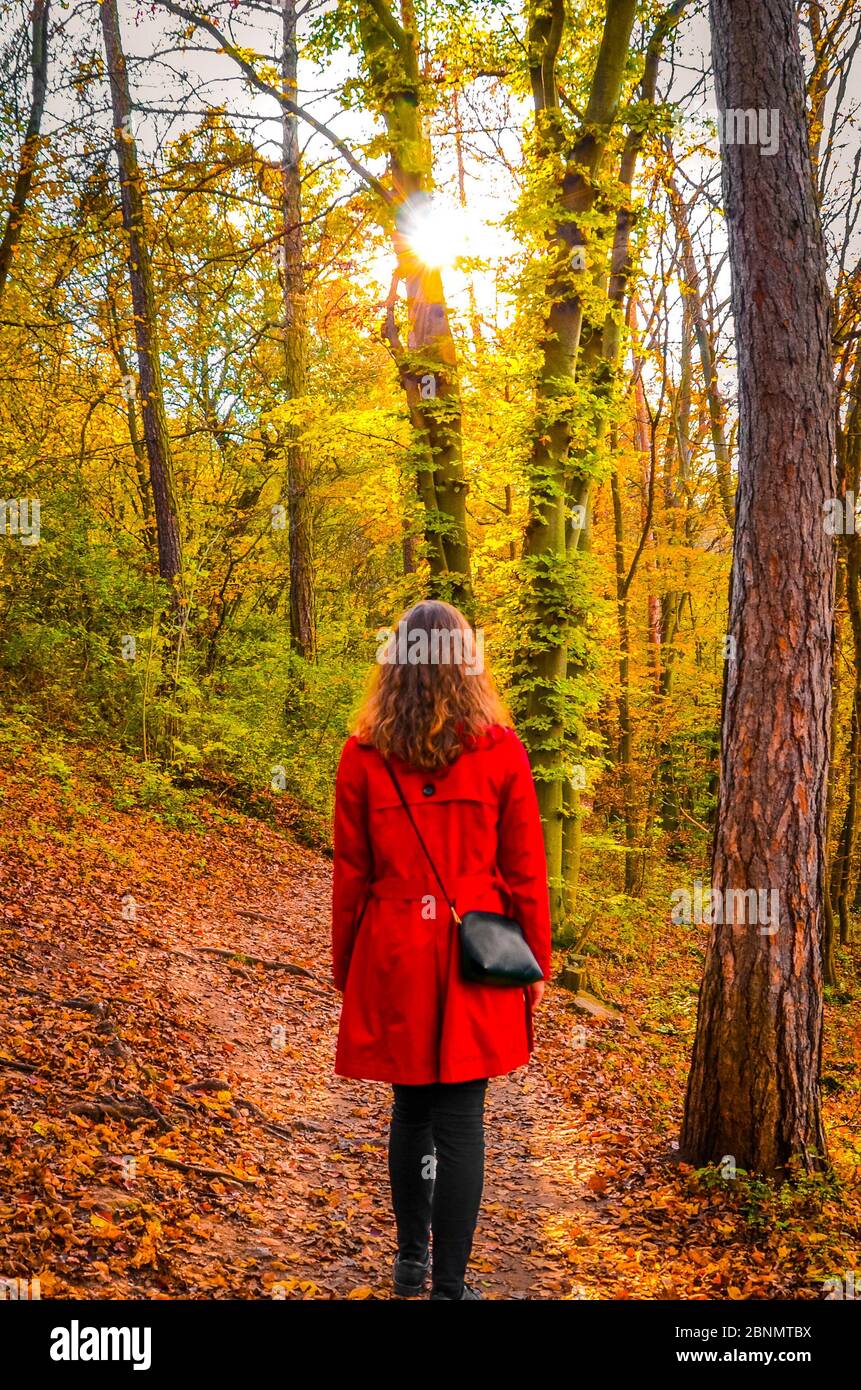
(398, 888)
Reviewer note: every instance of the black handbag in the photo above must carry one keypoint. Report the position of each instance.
(493, 949)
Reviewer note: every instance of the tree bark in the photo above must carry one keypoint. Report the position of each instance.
(151, 390)
(753, 1088)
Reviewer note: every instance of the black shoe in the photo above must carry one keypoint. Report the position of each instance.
(409, 1276)
(467, 1294)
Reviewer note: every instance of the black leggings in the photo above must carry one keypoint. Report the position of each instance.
(436, 1167)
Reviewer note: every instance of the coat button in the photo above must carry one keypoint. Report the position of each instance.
(428, 789)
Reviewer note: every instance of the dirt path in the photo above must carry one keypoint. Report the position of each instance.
(170, 1125)
(326, 1200)
(103, 1009)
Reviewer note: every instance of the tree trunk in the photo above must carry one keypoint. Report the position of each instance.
(829, 960)
(302, 626)
(427, 366)
(598, 365)
(545, 617)
(30, 147)
(625, 729)
(818, 87)
(146, 325)
(849, 454)
(753, 1089)
(694, 304)
(845, 844)
(673, 600)
(138, 446)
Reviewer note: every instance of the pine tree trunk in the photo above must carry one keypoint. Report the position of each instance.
(753, 1089)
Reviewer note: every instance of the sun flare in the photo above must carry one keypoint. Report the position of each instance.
(437, 233)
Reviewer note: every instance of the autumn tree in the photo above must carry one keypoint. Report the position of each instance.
(568, 172)
(600, 362)
(427, 361)
(284, 87)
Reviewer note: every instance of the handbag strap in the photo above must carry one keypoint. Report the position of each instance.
(390, 770)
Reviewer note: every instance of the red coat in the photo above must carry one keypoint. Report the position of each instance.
(407, 1015)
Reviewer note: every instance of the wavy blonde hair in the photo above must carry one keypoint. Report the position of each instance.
(426, 711)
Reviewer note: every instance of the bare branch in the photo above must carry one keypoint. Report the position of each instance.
(248, 69)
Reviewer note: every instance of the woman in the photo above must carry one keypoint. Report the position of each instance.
(408, 1017)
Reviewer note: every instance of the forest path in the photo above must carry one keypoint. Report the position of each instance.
(327, 1196)
(103, 1011)
(170, 1124)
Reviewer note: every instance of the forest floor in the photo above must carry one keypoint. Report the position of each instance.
(171, 1125)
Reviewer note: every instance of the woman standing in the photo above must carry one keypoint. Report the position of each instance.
(435, 816)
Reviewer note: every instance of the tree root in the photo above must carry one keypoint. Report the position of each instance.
(100, 1108)
(202, 1169)
(267, 964)
(13, 1064)
(261, 917)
